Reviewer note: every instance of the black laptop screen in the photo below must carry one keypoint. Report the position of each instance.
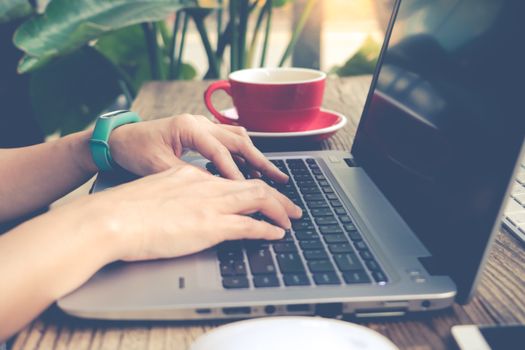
(445, 121)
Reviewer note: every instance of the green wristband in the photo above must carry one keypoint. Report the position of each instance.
(99, 142)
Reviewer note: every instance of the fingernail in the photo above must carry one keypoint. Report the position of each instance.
(279, 232)
(298, 210)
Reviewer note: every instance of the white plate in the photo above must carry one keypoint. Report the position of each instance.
(290, 333)
(341, 121)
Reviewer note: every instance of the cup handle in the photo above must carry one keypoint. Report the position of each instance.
(218, 85)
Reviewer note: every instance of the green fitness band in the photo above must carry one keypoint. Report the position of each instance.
(99, 145)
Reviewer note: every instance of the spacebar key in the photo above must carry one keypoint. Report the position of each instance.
(261, 261)
(290, 263)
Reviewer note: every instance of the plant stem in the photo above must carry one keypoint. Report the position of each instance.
(153, 54)
(269, 10)
(219, 23)
(243, 27)
(212, 59)
(234, 36)
(173, 45)
(181, 48)
(255, 36)
(298, 30)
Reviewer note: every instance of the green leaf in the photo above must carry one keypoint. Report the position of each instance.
(187, 72)
(14, 9)
(70, 92)
(126, 48)
(67, 25)
(363, 62)
(280, 3)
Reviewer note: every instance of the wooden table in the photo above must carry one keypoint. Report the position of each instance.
(500, 298)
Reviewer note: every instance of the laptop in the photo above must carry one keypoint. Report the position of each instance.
(401, 223)
(514, 217)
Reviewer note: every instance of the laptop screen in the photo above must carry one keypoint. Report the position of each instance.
(444, 124)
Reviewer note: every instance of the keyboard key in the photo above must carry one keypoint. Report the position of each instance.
(317, 172)
(379, 277)
(324, 278)
(331, 196)
(317, 204)
(320, 266)
(310, 161)
(317, 254)
(296, 279)
(360, 245)
(320, 177)
(347, 262)
(365, 254)
(354, 235)
(352, 277)
(325, 229)
(326, 220)
(313, 197)
(311, 244)
(336, 203)
(262, 281)
(340, 211)
(317, 212)
(323, 183)
(303, 225)
(296, 164)
(306, 235)
(310, 190)
(372, 265)
(306, 183)
(327, 189)
(229, 255)
(340, 248)
(261, 261)
(284, 247)
(234, 282)
(335, 238)
(345, 219)
(227, 269)
(290, 263)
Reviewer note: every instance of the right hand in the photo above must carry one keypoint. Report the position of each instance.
(185, 210)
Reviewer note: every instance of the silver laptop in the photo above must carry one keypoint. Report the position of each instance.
(401, 223)
(514, 218)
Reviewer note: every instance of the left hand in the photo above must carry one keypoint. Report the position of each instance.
(153, 146)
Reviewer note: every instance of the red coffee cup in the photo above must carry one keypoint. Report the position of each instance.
(271, 99)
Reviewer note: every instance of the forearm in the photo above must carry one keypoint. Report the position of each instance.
(48, 257)
(35, 176)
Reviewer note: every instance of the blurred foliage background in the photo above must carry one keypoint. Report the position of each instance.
(64, 62)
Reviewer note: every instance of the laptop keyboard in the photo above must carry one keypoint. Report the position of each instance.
(515, 210)
(322, 248)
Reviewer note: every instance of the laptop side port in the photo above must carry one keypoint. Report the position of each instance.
(203, 311)
(386, 312)
(329, 309)
(298, 308)
(236, 310)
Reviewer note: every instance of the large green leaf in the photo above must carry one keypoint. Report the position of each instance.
(67, 25)
(14, 9)
(70, 92)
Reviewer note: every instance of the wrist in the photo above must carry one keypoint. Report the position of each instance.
(79, 148)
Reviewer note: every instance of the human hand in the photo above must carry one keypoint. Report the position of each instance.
(153, 146)
(185, 210)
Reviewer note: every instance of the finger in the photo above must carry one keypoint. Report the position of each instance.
(244, 227)
(256, 196)
(243, 146)
(220, 156)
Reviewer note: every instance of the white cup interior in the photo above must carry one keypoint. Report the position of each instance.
(277, 75)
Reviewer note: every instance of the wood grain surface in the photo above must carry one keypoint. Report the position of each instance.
(500, 298)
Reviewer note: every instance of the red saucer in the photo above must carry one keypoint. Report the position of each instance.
(325, 126)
